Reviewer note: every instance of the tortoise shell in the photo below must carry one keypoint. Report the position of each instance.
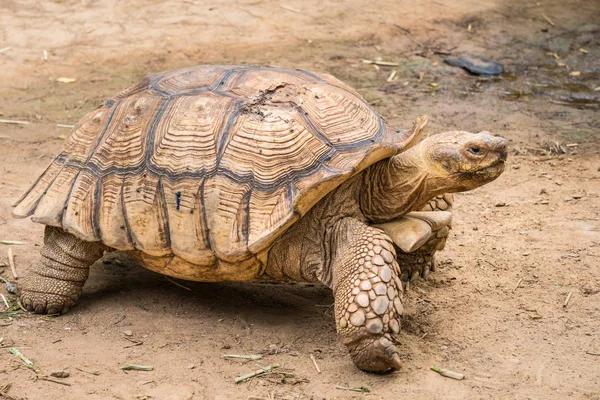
(209, 164)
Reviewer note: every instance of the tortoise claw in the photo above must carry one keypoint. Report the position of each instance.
(375, 354)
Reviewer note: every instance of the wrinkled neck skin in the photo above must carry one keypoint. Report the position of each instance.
(400, 184)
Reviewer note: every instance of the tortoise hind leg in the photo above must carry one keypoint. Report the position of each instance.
(56, 280)
(367, 290)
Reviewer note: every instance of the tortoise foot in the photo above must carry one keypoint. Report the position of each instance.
(415, 266)
(45, 303)
(54, 284)
(375, 353)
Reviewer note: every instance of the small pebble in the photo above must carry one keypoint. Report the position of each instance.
(10, 288)
(475, 65)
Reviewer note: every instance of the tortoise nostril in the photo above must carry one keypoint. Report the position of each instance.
(501, 149)
(501, 146)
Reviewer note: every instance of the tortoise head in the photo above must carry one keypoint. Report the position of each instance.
(463, 161)
(445, 163)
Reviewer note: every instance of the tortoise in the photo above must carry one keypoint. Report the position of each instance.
(248, 173)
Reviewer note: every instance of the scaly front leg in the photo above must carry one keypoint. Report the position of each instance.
(422, 261)
(364, 276)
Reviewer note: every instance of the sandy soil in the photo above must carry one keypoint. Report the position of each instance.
(495, 308)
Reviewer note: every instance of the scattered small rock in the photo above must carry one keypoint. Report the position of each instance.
(589, 289)
(500, 204)
(11, 288)
(60, 374)
(128, 333)
(476, 65)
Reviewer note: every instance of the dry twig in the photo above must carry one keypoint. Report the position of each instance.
(314, 360)
(566, 303)
(14, 121)
(178, 284)
(393, 76)
(134, 367)
(43, 378)
(5, 303)
(361, 389)
(242, 356)
(548, 19)
(14, 351)
(135, 343)
(447, 373)
(96, 373)
(252, 374)
(518, 284)
(381, 63)
(11, 262)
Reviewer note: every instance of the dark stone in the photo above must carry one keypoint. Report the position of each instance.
(476, 65)
(10, 288)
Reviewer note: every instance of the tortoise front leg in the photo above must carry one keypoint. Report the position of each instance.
(422, 261)
(364, 276)
(418, 235)
(55, 282)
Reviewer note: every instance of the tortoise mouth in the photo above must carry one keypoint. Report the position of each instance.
(492, 171)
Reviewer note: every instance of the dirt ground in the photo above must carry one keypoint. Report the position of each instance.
(495, 308)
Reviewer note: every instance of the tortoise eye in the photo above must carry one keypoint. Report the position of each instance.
(476, 150)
